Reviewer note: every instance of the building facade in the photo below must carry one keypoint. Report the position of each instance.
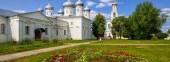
(73, 22)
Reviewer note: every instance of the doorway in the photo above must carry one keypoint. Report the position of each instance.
(38, 34)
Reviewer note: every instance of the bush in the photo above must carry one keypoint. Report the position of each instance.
(12, 42)
(154, 38)
(161, 36)
(26, 41)
(54, 40)
(45, 40)
(69, 38)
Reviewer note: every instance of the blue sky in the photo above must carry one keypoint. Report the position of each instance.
(125, 7)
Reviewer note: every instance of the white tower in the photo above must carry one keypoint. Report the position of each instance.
(68, 8)
(114, 12)
(79, 8)
(87, 12)
(49, 10)
(60, 12)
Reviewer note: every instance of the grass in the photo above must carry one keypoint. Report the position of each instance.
(134, 42)
(151, 53)
(7, 48)
(76, 41)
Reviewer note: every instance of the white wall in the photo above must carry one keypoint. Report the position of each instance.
(68, 11)
(75, 27)
(14, 28)
(34, 24)
(3, 37)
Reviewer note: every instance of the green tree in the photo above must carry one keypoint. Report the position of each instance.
(161, 36)
(98, 27)
(145, 21)
(168, 31)
(119, 26)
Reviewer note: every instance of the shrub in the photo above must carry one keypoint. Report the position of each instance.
(12, 42)
(161, 36)
(26, 41)
(54, 40)
(154, 38)
(45, 40)
(69, 38)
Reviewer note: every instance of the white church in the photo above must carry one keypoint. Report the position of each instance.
(73, 22)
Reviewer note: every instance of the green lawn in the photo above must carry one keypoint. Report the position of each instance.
(75, 41)
(7, 48)
(150, 53)
(134, 42)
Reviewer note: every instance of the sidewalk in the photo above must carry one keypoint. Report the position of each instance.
(34, 52)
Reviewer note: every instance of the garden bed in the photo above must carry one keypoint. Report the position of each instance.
(95, 56)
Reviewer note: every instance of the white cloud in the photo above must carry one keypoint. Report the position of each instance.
(104, 3)
(100, 5)
(90, 3)
(167, 12)
(20, 11)
(94, 13)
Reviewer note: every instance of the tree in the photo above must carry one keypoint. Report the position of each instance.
(98, 27)
(161, 36)
(145, 21)
(168, 31)
(119, 26)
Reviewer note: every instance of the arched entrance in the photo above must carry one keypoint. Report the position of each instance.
(38, 33)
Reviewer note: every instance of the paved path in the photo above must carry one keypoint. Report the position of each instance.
(134, 44)
(34, 52)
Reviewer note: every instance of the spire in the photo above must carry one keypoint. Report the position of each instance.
(115, 2)
(79, 2)
(68, 3)
(86, 8)
(49, 5)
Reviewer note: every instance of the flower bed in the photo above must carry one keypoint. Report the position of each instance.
(93, 56)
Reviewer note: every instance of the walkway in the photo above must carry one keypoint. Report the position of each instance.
(134, 44)
(34, 52)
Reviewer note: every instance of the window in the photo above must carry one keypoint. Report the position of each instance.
(71, 23)
(2, 28)
(66, 11)
(57, 32)
(46, 31)
(77, 10)
(64, 32)
(109, 26)
(27, 30)
(84, 32)
(114, 14)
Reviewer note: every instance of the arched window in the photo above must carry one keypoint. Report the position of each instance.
(57, 32)
(114, 14)
(65, 32)
(46, 31)
(77, 10)
(27, 30)
(2, 28)
(109, 26)
(71, 23)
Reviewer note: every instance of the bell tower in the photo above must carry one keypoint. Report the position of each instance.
(114, 12)
(49, 10)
